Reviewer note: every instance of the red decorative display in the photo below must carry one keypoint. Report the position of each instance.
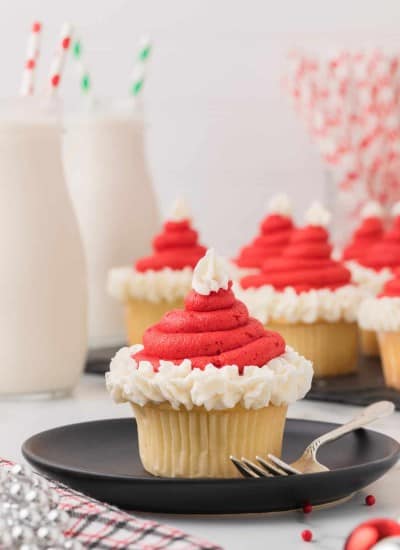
(350, 103)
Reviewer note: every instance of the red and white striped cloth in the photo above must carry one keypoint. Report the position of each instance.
(100, 526)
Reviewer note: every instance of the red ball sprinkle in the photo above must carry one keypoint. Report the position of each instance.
(307, 508)
(65, 43)
(370, 500)
(36, 27)
(55, 79)
(30, 64)
(307, 535)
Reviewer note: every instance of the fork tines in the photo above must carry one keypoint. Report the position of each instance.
(265, 468)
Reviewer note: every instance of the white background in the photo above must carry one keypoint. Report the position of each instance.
(220, 129)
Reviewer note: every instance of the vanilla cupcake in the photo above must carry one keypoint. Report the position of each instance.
(274, 235)
(382, 315)
(375, 268)
(208, 382)
(158, 283)
(308, 297)
(367, 234)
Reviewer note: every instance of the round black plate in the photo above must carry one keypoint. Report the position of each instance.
(101, 459)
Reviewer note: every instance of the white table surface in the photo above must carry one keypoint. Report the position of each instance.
(21, 419)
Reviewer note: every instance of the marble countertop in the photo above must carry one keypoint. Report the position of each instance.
(21, 419)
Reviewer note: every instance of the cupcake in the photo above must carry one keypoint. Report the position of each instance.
(367, 234)
(158, 283)
(275, 231)
(208, 382)
(385, 255)
(307, 297)
(381, 314)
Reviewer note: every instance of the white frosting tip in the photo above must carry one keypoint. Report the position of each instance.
(280, 204)
(395, 209)
(372, 210)
(179, 211)
(210, 274)
(318, 215)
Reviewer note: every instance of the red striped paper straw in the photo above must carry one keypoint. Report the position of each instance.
(32, 55)
(57, 66)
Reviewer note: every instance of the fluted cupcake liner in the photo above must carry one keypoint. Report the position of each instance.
(369, 345)
(389, 345)
(141, 314)
(197, 443)
(332, 347)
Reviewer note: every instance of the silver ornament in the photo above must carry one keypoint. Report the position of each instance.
(72, 545)
(29, 515)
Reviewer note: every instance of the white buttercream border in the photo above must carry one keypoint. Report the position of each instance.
(267, 304)
(380, 314)
(368, 278)
(282, 380)
(155, 286)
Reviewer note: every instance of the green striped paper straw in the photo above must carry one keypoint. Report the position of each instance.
(85, 81)
(139, 69)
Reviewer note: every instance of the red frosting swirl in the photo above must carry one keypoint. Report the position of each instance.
(305, 264)
(366, 235)
(213, 329)
(275, 231)
(386, 253)
(392, 287)
(175, 247)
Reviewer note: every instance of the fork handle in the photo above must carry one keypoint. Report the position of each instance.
(373, 412)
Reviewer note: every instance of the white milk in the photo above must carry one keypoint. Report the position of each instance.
(43, 324)
(110, 186)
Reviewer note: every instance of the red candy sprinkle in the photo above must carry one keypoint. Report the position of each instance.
(55, 80)
(30, 64)
(307, 535)
(370, 500)
(307, 508)
(36, 27)
(65, 43)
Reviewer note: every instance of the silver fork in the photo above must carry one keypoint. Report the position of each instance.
(308, 463)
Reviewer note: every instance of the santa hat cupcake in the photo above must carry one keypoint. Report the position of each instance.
(275, 231)
(309, 298)
(386, 253)
(158, 282)
(381, 314)
(368, 233)
(208, 382)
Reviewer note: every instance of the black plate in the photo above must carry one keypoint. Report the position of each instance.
(101, 459)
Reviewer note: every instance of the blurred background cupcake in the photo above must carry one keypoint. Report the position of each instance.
(368, 233)
(308, 297)
(274, 235)
(158, 283)
(382, 315)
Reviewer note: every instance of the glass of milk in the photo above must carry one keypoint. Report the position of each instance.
(43, 314)
(113, 196)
